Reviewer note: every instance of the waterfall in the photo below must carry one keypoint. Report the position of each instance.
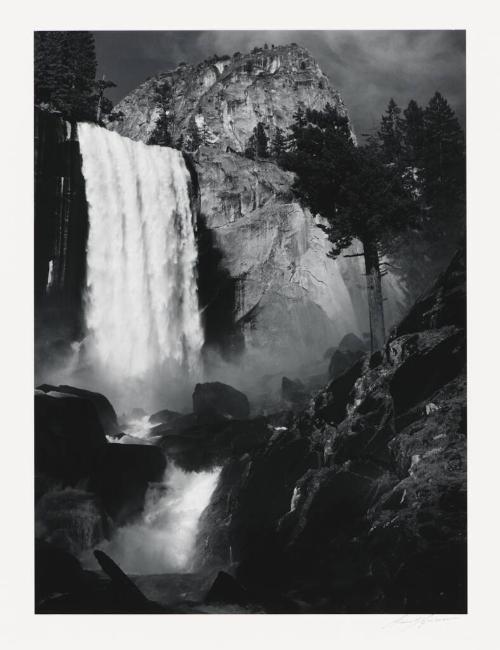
(163, 539)
(141, 308)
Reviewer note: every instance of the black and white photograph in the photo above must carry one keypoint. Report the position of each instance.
(250, 315)
(249, 358)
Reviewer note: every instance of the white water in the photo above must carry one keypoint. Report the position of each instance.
(141, 307)
(163, 541)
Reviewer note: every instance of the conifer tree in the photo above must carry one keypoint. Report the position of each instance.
(391, 134)
(278, 145)
(161, 133)
(413, 130)
(65, 69)
(443, 157)
(355, 192)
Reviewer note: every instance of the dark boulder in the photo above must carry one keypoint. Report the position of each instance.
(121, 477)
(69, 435)
(104, 408)
(56, 571)
(226, 590)
(216, 398)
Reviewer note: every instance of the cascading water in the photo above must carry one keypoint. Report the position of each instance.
(141, 309)
(163, 540)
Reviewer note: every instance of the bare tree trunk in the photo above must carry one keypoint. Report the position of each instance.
(375, 300)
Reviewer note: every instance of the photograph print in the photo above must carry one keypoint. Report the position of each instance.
(250, 322)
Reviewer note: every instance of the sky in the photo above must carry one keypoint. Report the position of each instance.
(367, 67)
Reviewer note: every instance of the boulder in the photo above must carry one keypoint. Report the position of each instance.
(104, 408)
(56, 571)
(121, 477)
(226, 589)
(69, 435)
(216, 398)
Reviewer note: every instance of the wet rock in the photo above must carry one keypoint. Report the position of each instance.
(69, 435)
(121, 477)
(105, 410)
(216, 398)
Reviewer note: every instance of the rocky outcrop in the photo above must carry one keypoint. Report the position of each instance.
(226, 97)
(369, 511)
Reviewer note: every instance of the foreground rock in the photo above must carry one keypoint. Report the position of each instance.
(69, 435)
(359, 504)
(217, 398)
(121, 477)
(81, 479)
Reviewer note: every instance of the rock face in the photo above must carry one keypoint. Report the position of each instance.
(226, 98)
(359, 503)
(60, 238)
(274, 292)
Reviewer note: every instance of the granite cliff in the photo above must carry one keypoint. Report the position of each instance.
(274, 293)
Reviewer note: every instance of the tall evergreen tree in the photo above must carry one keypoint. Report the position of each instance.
(443, 157)
(104, 105)
(356, 193)
(278, 145)
(391, 134)
(413, 129)
(258, 143)
(65, 69)
(161, 134)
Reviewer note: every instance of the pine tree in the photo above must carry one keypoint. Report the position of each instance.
(257, 146)
(356, 193)
(161, 133)
(261, 141)
(278, 145)
(104, 105)
(65, 69)
(443, 157)
(193, 138)
(413, 134)
(391, 134)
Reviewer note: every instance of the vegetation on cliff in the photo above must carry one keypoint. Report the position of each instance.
(65, 71)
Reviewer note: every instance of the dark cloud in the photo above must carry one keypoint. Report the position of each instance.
(367, 67)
